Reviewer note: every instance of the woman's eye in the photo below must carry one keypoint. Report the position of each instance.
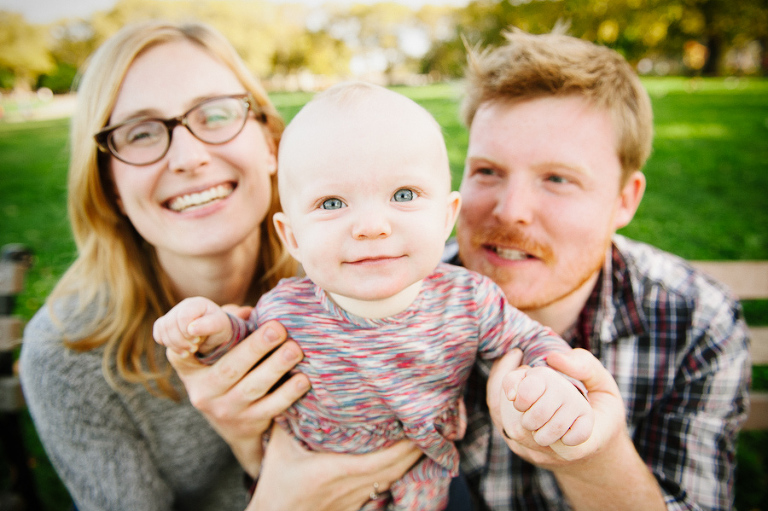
(332, 204)
(403, 195)
(144, 133)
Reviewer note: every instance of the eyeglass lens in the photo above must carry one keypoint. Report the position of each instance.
(145, 141)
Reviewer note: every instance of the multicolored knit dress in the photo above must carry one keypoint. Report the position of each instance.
(377, 381)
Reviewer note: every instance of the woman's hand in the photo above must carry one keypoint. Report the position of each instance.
(300, 480)
(235, 396)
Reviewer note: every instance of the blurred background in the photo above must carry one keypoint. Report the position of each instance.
(305, 45)
(703, 62)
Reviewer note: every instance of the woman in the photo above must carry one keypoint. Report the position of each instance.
(171, 194)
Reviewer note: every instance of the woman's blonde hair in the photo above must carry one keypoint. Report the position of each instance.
(532, 66)
(116, 270)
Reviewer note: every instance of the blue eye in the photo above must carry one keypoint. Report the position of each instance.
(403, 195)
(332, 204)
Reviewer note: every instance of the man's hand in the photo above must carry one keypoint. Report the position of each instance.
(604, 398)
(552, 407)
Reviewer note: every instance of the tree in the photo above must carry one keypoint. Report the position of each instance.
(25, 50)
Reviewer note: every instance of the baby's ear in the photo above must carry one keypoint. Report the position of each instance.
(285, 232)
(452, 212)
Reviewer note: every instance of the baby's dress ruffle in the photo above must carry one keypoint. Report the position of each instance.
(434, 437)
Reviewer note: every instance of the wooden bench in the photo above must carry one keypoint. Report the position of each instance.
(15, 259)
(749, 281)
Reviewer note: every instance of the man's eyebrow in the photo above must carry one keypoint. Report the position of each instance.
(554, 165)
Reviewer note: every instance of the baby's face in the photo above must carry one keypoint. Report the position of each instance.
(369, 205)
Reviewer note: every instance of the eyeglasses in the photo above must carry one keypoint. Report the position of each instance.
(146, 140)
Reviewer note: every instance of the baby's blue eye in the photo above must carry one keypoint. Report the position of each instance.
(332, 204)
(403, 195)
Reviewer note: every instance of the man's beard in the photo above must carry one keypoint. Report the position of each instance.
(570, 277)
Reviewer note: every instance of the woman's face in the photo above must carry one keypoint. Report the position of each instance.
(200, 199)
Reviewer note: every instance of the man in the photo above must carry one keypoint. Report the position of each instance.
(559, 132)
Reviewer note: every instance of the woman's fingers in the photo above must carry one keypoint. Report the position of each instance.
(297, 479)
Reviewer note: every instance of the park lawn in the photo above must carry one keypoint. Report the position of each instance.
(706, 199)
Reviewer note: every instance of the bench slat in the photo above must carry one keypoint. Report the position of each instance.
(758, 413)
(747, 279)
(759, 348)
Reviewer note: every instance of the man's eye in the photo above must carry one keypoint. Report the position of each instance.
(332, 204)
(403, 195)
(557, 179)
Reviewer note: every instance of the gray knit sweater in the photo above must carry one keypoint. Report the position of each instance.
(120, 450)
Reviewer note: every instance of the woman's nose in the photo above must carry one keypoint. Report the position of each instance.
(186, 153)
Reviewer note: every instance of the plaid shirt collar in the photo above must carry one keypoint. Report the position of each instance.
(612, 310)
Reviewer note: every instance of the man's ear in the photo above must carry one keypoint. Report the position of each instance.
(285, 233)
(454, 205)
(629, 199)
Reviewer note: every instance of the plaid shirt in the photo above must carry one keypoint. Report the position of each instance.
(677, 345)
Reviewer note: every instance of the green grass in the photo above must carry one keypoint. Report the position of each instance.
(706, 199)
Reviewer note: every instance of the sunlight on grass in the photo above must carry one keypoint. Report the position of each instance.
(680, 131)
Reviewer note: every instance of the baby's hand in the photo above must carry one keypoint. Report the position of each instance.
(553, 408)
(195, 324)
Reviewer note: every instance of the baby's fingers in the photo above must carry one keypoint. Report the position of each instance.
(511, 382)
(554, 429)
(580, 431)
(209, 324)
(165, 333)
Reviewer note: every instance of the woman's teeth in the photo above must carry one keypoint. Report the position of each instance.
(200, 198)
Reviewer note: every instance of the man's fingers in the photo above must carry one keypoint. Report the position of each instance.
(582, 365)
(501, 367)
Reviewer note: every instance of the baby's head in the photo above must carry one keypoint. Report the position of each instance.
(365, 186)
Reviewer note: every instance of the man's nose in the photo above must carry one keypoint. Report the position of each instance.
(515, 204)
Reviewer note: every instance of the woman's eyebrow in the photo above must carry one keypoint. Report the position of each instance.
(153, 112)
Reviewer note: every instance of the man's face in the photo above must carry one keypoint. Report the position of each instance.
(541, 197)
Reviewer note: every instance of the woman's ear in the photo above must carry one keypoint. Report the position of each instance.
(629, 199)
(285, 233)
(452, 212)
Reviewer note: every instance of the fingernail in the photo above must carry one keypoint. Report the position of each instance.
(290, 355)
(270, 335)
(302, 385)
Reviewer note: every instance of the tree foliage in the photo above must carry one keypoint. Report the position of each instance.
(692, 36)
(25, 53)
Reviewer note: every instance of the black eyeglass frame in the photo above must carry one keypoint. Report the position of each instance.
(102, 138)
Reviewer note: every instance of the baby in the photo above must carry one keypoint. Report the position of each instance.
(389, 333)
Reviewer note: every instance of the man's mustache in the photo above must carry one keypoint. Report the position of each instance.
(512, 238)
